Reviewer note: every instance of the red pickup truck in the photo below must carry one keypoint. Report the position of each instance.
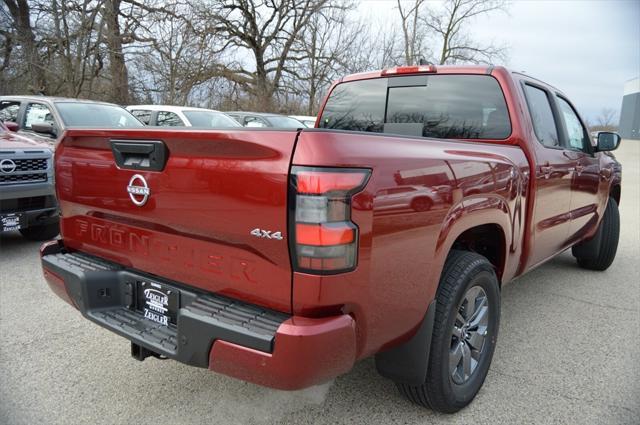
(282, 257)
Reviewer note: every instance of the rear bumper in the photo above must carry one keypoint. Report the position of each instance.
(228, 336)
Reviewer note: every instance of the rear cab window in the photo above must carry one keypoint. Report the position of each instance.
(441, 106)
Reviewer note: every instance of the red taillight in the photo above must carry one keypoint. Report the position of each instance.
(324, 239)
(410, 70)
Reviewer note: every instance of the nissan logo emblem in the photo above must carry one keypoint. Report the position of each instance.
(7, 166)
(138, 190)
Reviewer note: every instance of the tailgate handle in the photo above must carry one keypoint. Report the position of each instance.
(137, 155)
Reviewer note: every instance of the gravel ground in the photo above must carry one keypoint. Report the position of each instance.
(568, 352)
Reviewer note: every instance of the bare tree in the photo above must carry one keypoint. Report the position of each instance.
(607, 120)
(258, 54)
(20, 11)
(325, 47)
(117, 65)
(450, 25)
(412, 30)
(177, 58)
(265, 29)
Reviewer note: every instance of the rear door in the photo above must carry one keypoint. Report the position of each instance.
(192, 220)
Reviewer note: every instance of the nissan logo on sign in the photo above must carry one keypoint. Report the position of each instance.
(7, 166)
(138, 190)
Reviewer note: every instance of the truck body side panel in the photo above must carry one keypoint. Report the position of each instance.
(422, 194)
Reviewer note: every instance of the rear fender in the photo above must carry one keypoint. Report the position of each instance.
(477, 211)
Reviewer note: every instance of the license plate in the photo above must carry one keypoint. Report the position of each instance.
(11, 221)
(158, 302)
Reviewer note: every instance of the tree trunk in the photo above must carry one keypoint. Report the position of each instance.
(118, 68)
(264, 90)
(20, 13)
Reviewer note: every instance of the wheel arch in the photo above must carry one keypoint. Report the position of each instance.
(487, 231)
(615, 192)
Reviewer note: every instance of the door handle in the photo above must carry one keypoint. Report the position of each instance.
(140, 155)
(605, 173)
(579, 169)
(570, 156)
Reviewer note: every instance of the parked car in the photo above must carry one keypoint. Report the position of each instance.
(417, 198)
(181, 116)
(259, 119)
(27, 192)
(45, 118)
(307, 120)
(290, 288)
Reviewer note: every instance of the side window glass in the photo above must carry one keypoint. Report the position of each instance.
(254, 122)
(168, 119)
(37, 112)
(142, 115)
(575, 131)
(9, 111)
(542, 116)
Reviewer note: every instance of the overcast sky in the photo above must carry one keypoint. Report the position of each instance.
(588, 49)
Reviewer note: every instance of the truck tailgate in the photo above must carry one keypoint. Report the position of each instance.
(195, 224)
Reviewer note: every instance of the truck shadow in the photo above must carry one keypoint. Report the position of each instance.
(12, 240)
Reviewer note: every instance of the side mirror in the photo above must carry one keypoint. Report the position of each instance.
(608, 141)
(44, 128)
(12, 126)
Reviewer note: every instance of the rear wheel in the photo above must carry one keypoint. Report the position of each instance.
(41, 232)
(599, 252)
(464, 334)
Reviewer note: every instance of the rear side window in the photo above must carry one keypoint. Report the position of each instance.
(168, 119)
(544, 124)
(210, 119)
(442, 106)
(9, 111)
(143, 115)
(250, 121)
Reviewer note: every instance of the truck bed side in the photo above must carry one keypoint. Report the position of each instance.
(422, 195)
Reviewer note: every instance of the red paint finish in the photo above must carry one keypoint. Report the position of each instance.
(195, 228)
(57, 286)
(420, 197)
(306, 352)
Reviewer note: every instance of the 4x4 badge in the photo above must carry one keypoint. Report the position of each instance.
(139, 193)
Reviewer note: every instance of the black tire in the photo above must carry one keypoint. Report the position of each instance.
(42, 232)
(463, 271)
(599, 252)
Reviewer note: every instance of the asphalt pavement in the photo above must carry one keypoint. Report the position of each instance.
(568, 352)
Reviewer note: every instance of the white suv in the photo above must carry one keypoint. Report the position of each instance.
(181, 116)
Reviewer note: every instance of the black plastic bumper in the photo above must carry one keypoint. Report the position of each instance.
(104, 292)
